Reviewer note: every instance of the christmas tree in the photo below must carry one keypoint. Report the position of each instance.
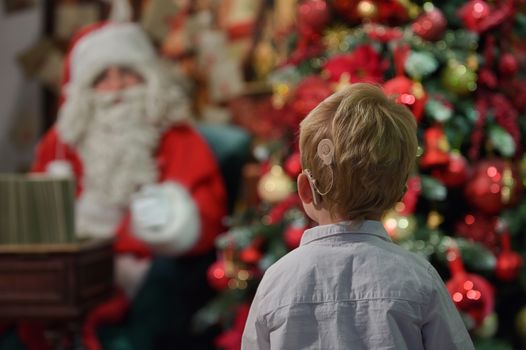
(460, 67)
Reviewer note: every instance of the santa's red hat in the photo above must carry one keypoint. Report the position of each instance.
(105, 44)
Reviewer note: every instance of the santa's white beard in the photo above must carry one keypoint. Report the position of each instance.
(117, 155)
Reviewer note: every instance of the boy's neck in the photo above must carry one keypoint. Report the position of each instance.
(325, 218)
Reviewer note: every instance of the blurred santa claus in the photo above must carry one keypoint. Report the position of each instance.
(144, 176)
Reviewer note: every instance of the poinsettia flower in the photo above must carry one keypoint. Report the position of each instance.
(364, 64)
(378, 32)
(309, 93)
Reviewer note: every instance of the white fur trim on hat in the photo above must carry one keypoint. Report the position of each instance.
(177, 214)
(114, 44)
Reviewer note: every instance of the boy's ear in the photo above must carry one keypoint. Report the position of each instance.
(304, 189)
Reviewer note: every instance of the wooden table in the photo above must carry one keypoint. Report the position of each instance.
(54, 282)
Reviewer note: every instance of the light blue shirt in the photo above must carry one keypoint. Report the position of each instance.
(350, 287)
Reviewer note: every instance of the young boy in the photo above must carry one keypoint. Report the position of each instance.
(348, 286)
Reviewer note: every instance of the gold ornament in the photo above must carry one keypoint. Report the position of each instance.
(520, 323)
(399, 227)
(434, 219)
(335, 39)
(507, 184)
(459, 78)
(280, 95)
(417, 90)
(413, 10)
(472, 62)
(443, 144)
(275, 186)
(264, 59)
(228, 259)
(367, 9)
(265, 55)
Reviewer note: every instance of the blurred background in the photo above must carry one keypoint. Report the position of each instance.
(259, 66)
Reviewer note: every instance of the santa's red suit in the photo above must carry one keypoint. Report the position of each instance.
(182, 157)
(145, 177)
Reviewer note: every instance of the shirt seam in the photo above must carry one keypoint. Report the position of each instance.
(427, 306)
(315, 240)
(342, 300)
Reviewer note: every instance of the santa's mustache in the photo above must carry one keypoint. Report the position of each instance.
(107, 99)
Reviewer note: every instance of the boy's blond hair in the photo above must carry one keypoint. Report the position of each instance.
(375, 148)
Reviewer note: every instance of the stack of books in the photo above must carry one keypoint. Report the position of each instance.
(36, 209)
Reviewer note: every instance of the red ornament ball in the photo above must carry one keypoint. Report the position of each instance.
(410, 199)
(217, 276)
(508, 64)
(348, 9)
(509, 265)
(479, 228)
(436, 148)
(431, 25)
(292, 236)
(517, 91)
(390, 12)
(293, 165)
(250, 255)
(313, 16)
(473, 13)
(472, 294)
(409, 93)
(455, 173)
(494, 186)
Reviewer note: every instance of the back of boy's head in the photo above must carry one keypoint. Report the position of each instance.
(375, 148)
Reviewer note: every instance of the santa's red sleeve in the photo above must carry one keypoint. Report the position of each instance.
(51, 148)
(185, 158)
(45, 152)
(190, 176)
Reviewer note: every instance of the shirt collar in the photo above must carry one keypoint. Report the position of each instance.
(368, 227)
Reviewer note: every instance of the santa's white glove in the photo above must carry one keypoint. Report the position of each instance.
(166, 217)
(150, 208)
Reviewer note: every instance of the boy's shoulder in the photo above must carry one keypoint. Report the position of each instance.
(383, 270)
(286, 272)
